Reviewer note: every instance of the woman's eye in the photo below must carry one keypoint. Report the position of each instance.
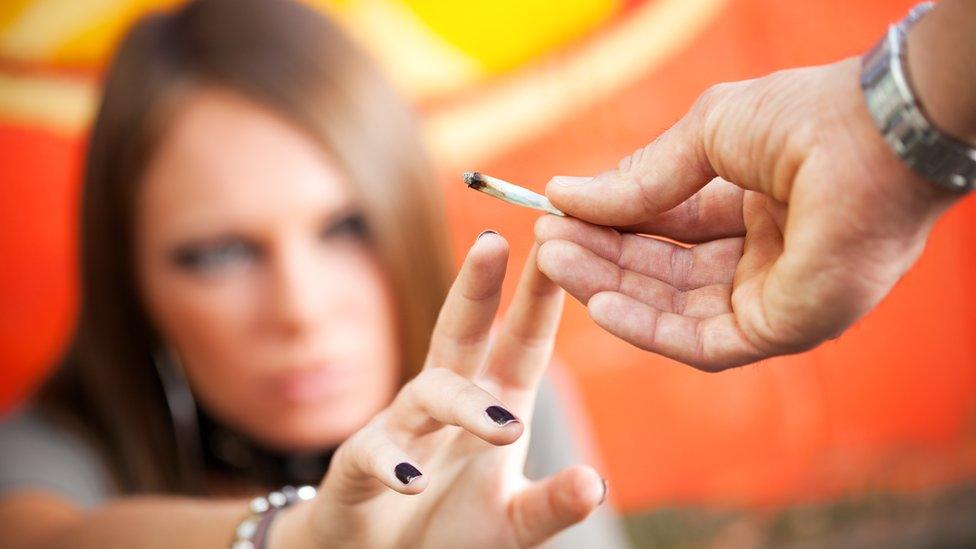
(350, 226)
(212, 257)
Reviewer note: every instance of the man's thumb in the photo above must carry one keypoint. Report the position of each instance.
(651, 181)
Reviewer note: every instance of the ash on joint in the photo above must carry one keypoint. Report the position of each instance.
(474, 180)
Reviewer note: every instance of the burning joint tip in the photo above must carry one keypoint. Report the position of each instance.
(473, 179)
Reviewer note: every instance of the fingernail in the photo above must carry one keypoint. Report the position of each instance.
(483, 233)
(405, 472)
(570, 181)
(606, 490)
(500, 415)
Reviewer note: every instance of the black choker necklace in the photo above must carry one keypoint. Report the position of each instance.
(227, 452)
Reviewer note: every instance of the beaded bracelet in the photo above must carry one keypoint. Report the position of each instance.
(252, 532)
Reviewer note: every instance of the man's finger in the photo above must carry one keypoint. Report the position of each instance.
(584, 274)
(653, 180)
(684, 268)
(720, 136)
(711, 344)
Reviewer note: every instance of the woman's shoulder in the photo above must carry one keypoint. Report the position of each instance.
(41, 453)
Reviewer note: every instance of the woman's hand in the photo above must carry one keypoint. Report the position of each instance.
(442, 465)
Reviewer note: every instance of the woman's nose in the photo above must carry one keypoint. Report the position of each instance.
(299, 290)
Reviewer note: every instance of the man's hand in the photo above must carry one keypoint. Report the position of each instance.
(801, 219)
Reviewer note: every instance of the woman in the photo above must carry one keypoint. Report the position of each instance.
(262, 268)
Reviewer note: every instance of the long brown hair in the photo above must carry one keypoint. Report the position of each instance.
(285, 56)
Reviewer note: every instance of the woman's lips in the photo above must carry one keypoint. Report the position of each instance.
(308, 385)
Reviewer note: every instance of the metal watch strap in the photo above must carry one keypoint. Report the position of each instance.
(936, 156)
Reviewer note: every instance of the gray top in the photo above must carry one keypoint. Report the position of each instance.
(554, 447)
(37, 453)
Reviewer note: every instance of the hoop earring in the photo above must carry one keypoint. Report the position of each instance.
(182, 411)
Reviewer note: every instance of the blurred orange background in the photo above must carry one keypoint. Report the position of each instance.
(529, 89)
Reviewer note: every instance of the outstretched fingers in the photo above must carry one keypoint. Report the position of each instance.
(523, 348)
(368, 461)
(435, 398)
(460, 338)
(439, 397)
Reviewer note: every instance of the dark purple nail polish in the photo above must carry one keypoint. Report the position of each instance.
(500, 415)
(483, 233)
(405, 472)
(606, 490)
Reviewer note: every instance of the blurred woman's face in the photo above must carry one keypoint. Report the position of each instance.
(254, 266)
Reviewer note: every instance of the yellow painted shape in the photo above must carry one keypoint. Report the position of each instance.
(429, 46)
(43, 26)
(329, 5)
(94, 43)
(73, 32)
(487, 123)
(542, 95)
(420, 62)
(501, 34)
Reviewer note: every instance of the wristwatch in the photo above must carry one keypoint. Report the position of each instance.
(938, 157)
